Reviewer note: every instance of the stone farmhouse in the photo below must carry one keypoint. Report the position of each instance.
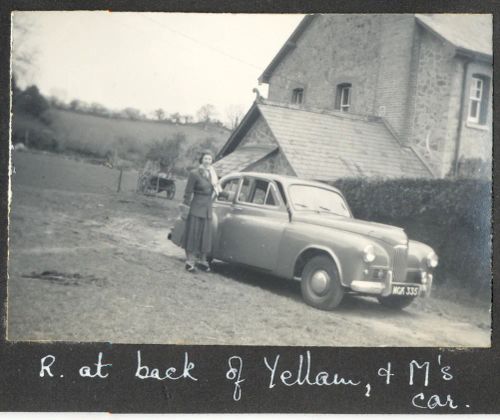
(386, 95)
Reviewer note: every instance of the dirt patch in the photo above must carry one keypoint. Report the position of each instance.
(66, 279)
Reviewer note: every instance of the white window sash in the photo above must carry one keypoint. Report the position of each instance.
(474, 118)
(344, 93)
(476, 91)
(475, 98)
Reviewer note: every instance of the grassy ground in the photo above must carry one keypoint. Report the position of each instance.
(89, 264)
(96, 136)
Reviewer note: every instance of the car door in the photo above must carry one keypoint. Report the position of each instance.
(252, 230)
(222, 208)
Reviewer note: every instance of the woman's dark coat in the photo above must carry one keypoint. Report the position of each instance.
(201, 189)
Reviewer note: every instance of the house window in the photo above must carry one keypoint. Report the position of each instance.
(478, 99)
(343, 97)
(297, 96)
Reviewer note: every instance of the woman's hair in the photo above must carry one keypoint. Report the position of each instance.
(205, 153)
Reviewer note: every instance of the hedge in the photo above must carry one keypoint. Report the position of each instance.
(451, 215)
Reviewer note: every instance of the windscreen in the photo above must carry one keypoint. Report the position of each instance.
(307, 197)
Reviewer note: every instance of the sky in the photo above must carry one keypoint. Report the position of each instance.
(174, 61)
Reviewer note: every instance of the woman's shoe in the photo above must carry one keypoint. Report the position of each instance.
(204, 266)
(190, 267)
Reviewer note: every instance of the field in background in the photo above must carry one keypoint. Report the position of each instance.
(67, 131)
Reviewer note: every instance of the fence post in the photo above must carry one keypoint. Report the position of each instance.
(120, 180)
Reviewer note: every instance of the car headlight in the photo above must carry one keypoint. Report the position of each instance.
(369, 254)
(432, 260)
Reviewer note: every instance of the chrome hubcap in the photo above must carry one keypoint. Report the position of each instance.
(320, 281)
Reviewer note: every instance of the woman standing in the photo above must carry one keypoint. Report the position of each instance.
(201, 189)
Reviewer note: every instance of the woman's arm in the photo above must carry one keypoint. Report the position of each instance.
(188, 193)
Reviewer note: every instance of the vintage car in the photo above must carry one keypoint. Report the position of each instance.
(304, 230)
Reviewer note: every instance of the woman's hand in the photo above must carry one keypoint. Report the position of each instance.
(223, 194)
(184, 211)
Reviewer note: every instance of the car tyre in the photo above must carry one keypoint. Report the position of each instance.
(396, 302)
(320, 283)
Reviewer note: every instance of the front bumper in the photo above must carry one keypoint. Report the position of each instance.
(384, 288)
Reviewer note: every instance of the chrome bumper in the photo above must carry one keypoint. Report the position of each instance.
(385, 288)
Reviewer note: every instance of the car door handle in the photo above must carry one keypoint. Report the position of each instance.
(236, 208)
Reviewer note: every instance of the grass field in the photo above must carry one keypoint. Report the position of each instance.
(98, 136)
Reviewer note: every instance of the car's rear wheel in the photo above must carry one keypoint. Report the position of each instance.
(396, 302)
(320, 283)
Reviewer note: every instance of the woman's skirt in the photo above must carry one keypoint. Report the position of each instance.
(197, 237)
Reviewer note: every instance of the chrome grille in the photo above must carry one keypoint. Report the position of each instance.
(399, 263)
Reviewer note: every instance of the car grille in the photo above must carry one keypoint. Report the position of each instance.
(414, 277)
(399, 263)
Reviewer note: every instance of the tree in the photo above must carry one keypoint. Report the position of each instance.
(159, 113)
(56, 102)
(194, 151)
(175, 117)
(98, 109)
(206, 113)
(23, 53)
(234, 114)
(188, 119)
(166, 151)
(31, 101)
(75, 105)
(132, 113)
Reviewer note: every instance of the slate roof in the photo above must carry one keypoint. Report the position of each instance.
(471, 32)
(241, 159)
(330, 145)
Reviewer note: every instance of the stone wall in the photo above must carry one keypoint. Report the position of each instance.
(334, 49)
(396, 52)
(435, 73)
(436, 113)
(372, 52)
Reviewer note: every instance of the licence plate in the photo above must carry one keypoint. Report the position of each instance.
(405, 290)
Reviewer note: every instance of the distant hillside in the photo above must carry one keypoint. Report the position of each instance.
(100, 137)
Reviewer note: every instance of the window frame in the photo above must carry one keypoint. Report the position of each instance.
(478, 100)
(343, 90)
(238, 178)
(298, 93)
(254, 179)
(475, 99)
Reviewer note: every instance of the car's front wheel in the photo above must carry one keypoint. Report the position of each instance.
(320, 283)
(396, 302)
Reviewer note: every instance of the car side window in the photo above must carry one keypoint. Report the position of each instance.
(259, 192)
(229, 190)
(246, 189)
(271, 199)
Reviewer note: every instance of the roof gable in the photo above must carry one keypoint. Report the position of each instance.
(468, 32)
(329, 145)
(242, 158)
(289, 45)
